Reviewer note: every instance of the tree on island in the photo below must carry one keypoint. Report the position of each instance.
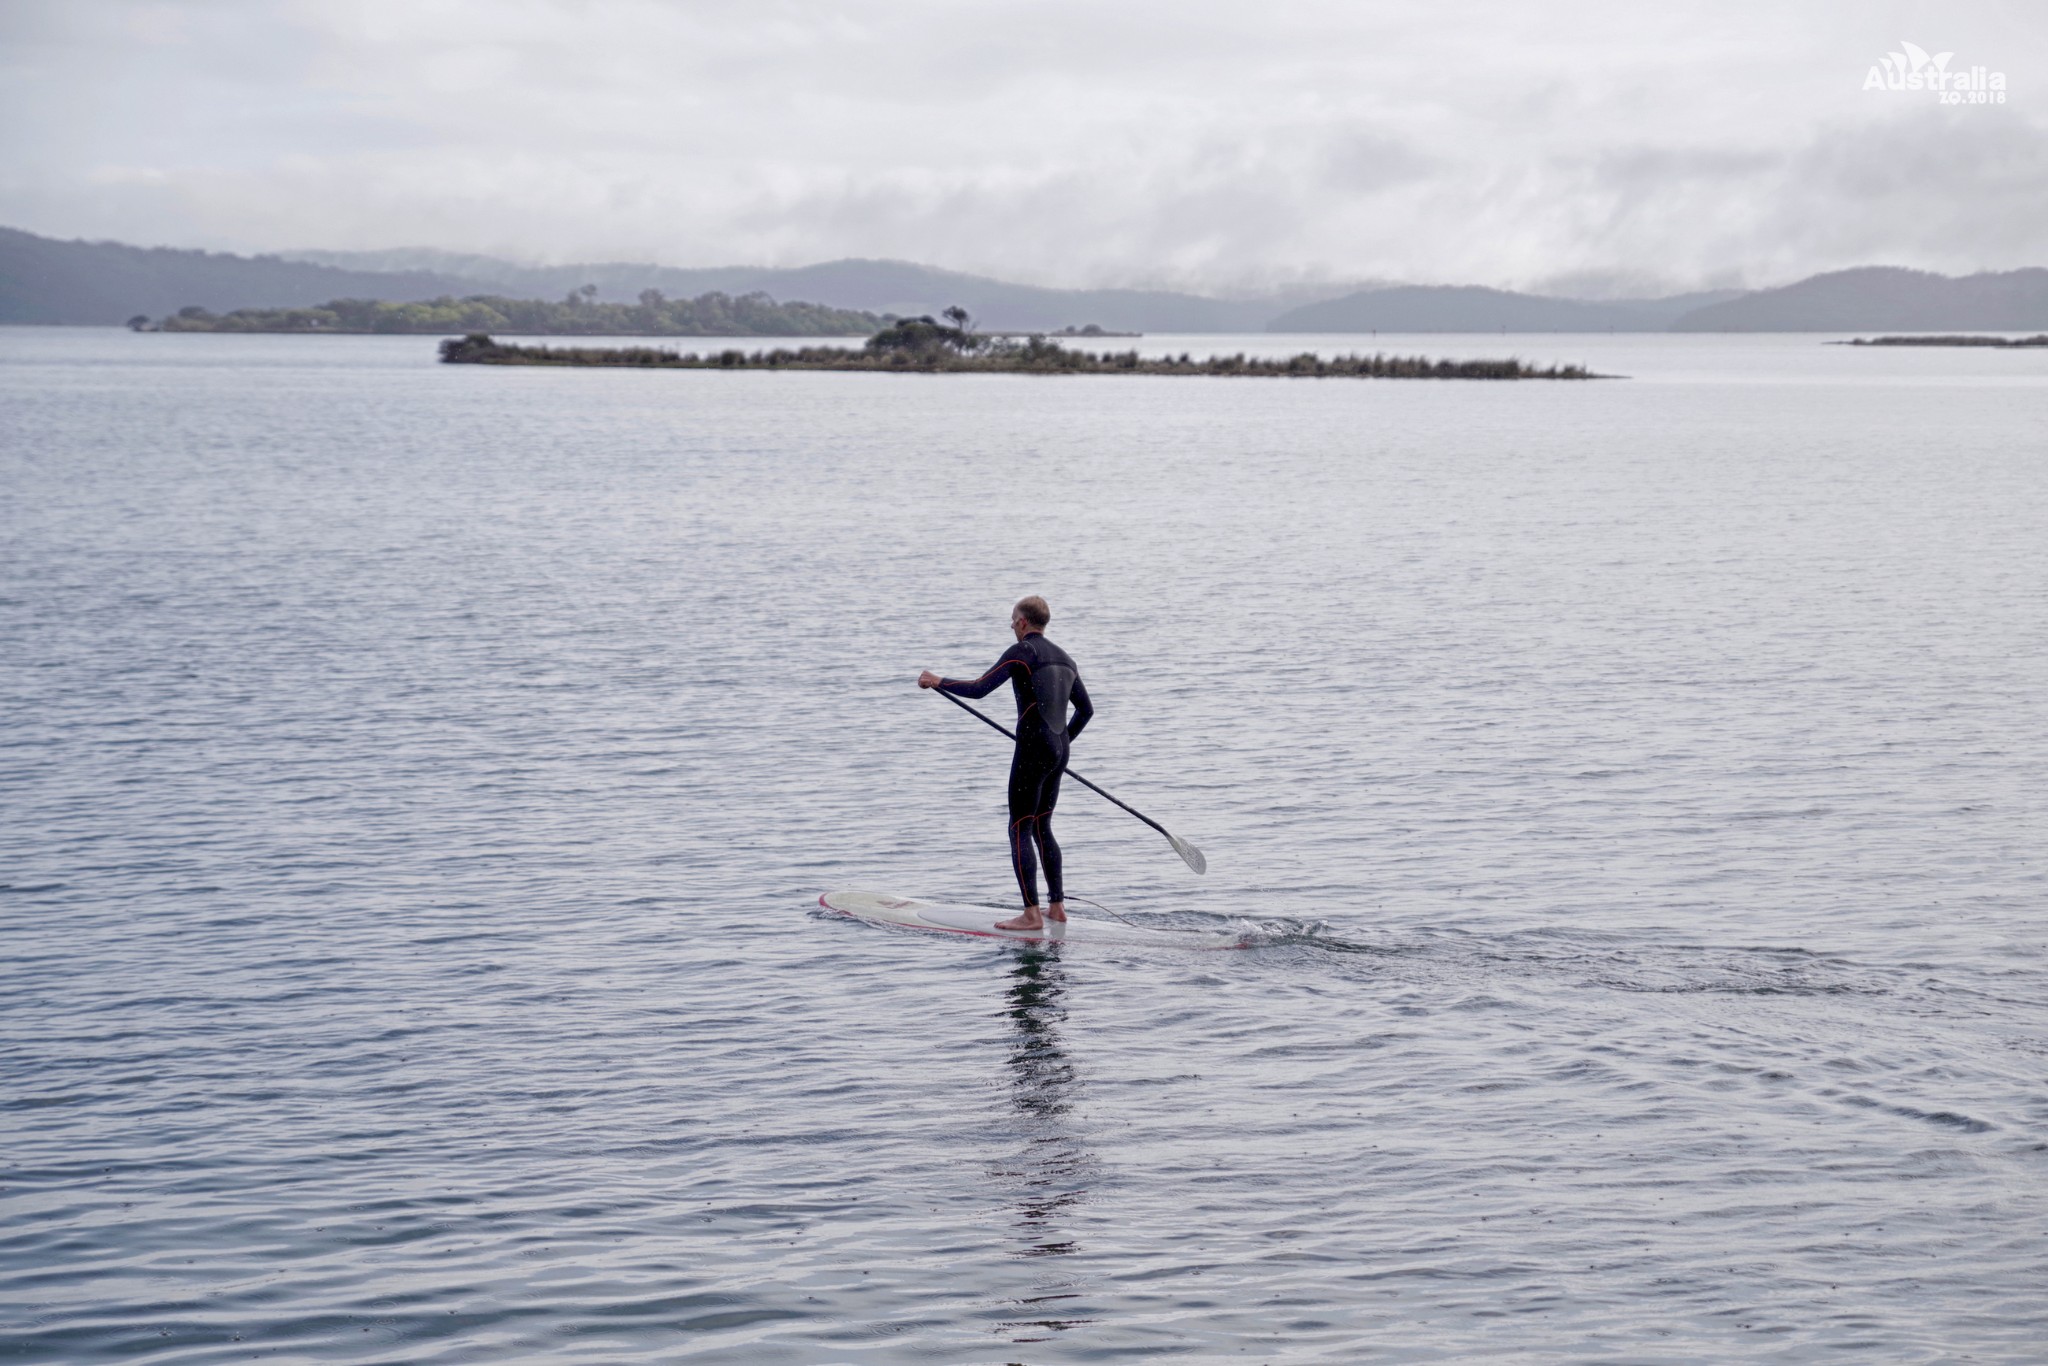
(928, 340)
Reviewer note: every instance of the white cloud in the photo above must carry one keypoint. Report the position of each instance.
(1071, 142)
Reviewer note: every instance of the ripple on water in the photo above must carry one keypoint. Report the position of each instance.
(416, 781)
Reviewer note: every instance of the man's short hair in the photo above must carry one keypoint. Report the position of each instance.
(1034, 610)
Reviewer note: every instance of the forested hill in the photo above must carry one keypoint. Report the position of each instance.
(900, 287)
(580, 315)
(43, 280)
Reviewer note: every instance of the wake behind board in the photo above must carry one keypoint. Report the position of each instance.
(911, 914)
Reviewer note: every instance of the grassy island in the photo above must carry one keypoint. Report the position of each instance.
(922, 345)
(2041, 340)
(579, 315)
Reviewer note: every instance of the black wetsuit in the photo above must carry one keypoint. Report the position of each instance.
(1045, 680)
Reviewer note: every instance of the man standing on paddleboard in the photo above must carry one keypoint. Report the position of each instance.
(1045, 680)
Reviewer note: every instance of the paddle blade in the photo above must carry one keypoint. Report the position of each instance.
(1189, 854)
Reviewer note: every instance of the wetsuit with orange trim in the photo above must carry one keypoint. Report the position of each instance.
(1045, 680)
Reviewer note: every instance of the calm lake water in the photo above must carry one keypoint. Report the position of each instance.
(418, 781)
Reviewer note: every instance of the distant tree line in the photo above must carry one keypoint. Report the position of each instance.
(655, 315)
(922, 344)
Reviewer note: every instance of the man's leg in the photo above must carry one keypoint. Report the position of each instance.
(1035, 785)
(1048, 847)
(1049, 854)
(1023, 844)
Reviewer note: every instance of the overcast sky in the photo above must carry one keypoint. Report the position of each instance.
(1591, 146)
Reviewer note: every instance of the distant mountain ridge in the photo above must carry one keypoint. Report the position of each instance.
(1887, 297)
(1474, 308)
(43, 280)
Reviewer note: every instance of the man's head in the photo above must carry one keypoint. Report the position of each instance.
(1030, 614)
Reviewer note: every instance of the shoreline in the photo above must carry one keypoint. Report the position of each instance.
(1954, 339)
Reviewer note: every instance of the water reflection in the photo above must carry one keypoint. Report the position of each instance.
(1049, 1174)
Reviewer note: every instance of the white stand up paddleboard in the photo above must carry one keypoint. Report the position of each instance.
(912, 914)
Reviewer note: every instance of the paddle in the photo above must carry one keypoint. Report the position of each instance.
(1189, 854)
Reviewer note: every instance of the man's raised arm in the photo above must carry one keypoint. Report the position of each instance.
(998, 675)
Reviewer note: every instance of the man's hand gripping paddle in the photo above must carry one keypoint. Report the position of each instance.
(1189, 854)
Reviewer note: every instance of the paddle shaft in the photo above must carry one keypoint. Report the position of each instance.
(1070, 773)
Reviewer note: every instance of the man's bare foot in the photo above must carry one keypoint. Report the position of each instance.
(1030, 920)
(1057, 911)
